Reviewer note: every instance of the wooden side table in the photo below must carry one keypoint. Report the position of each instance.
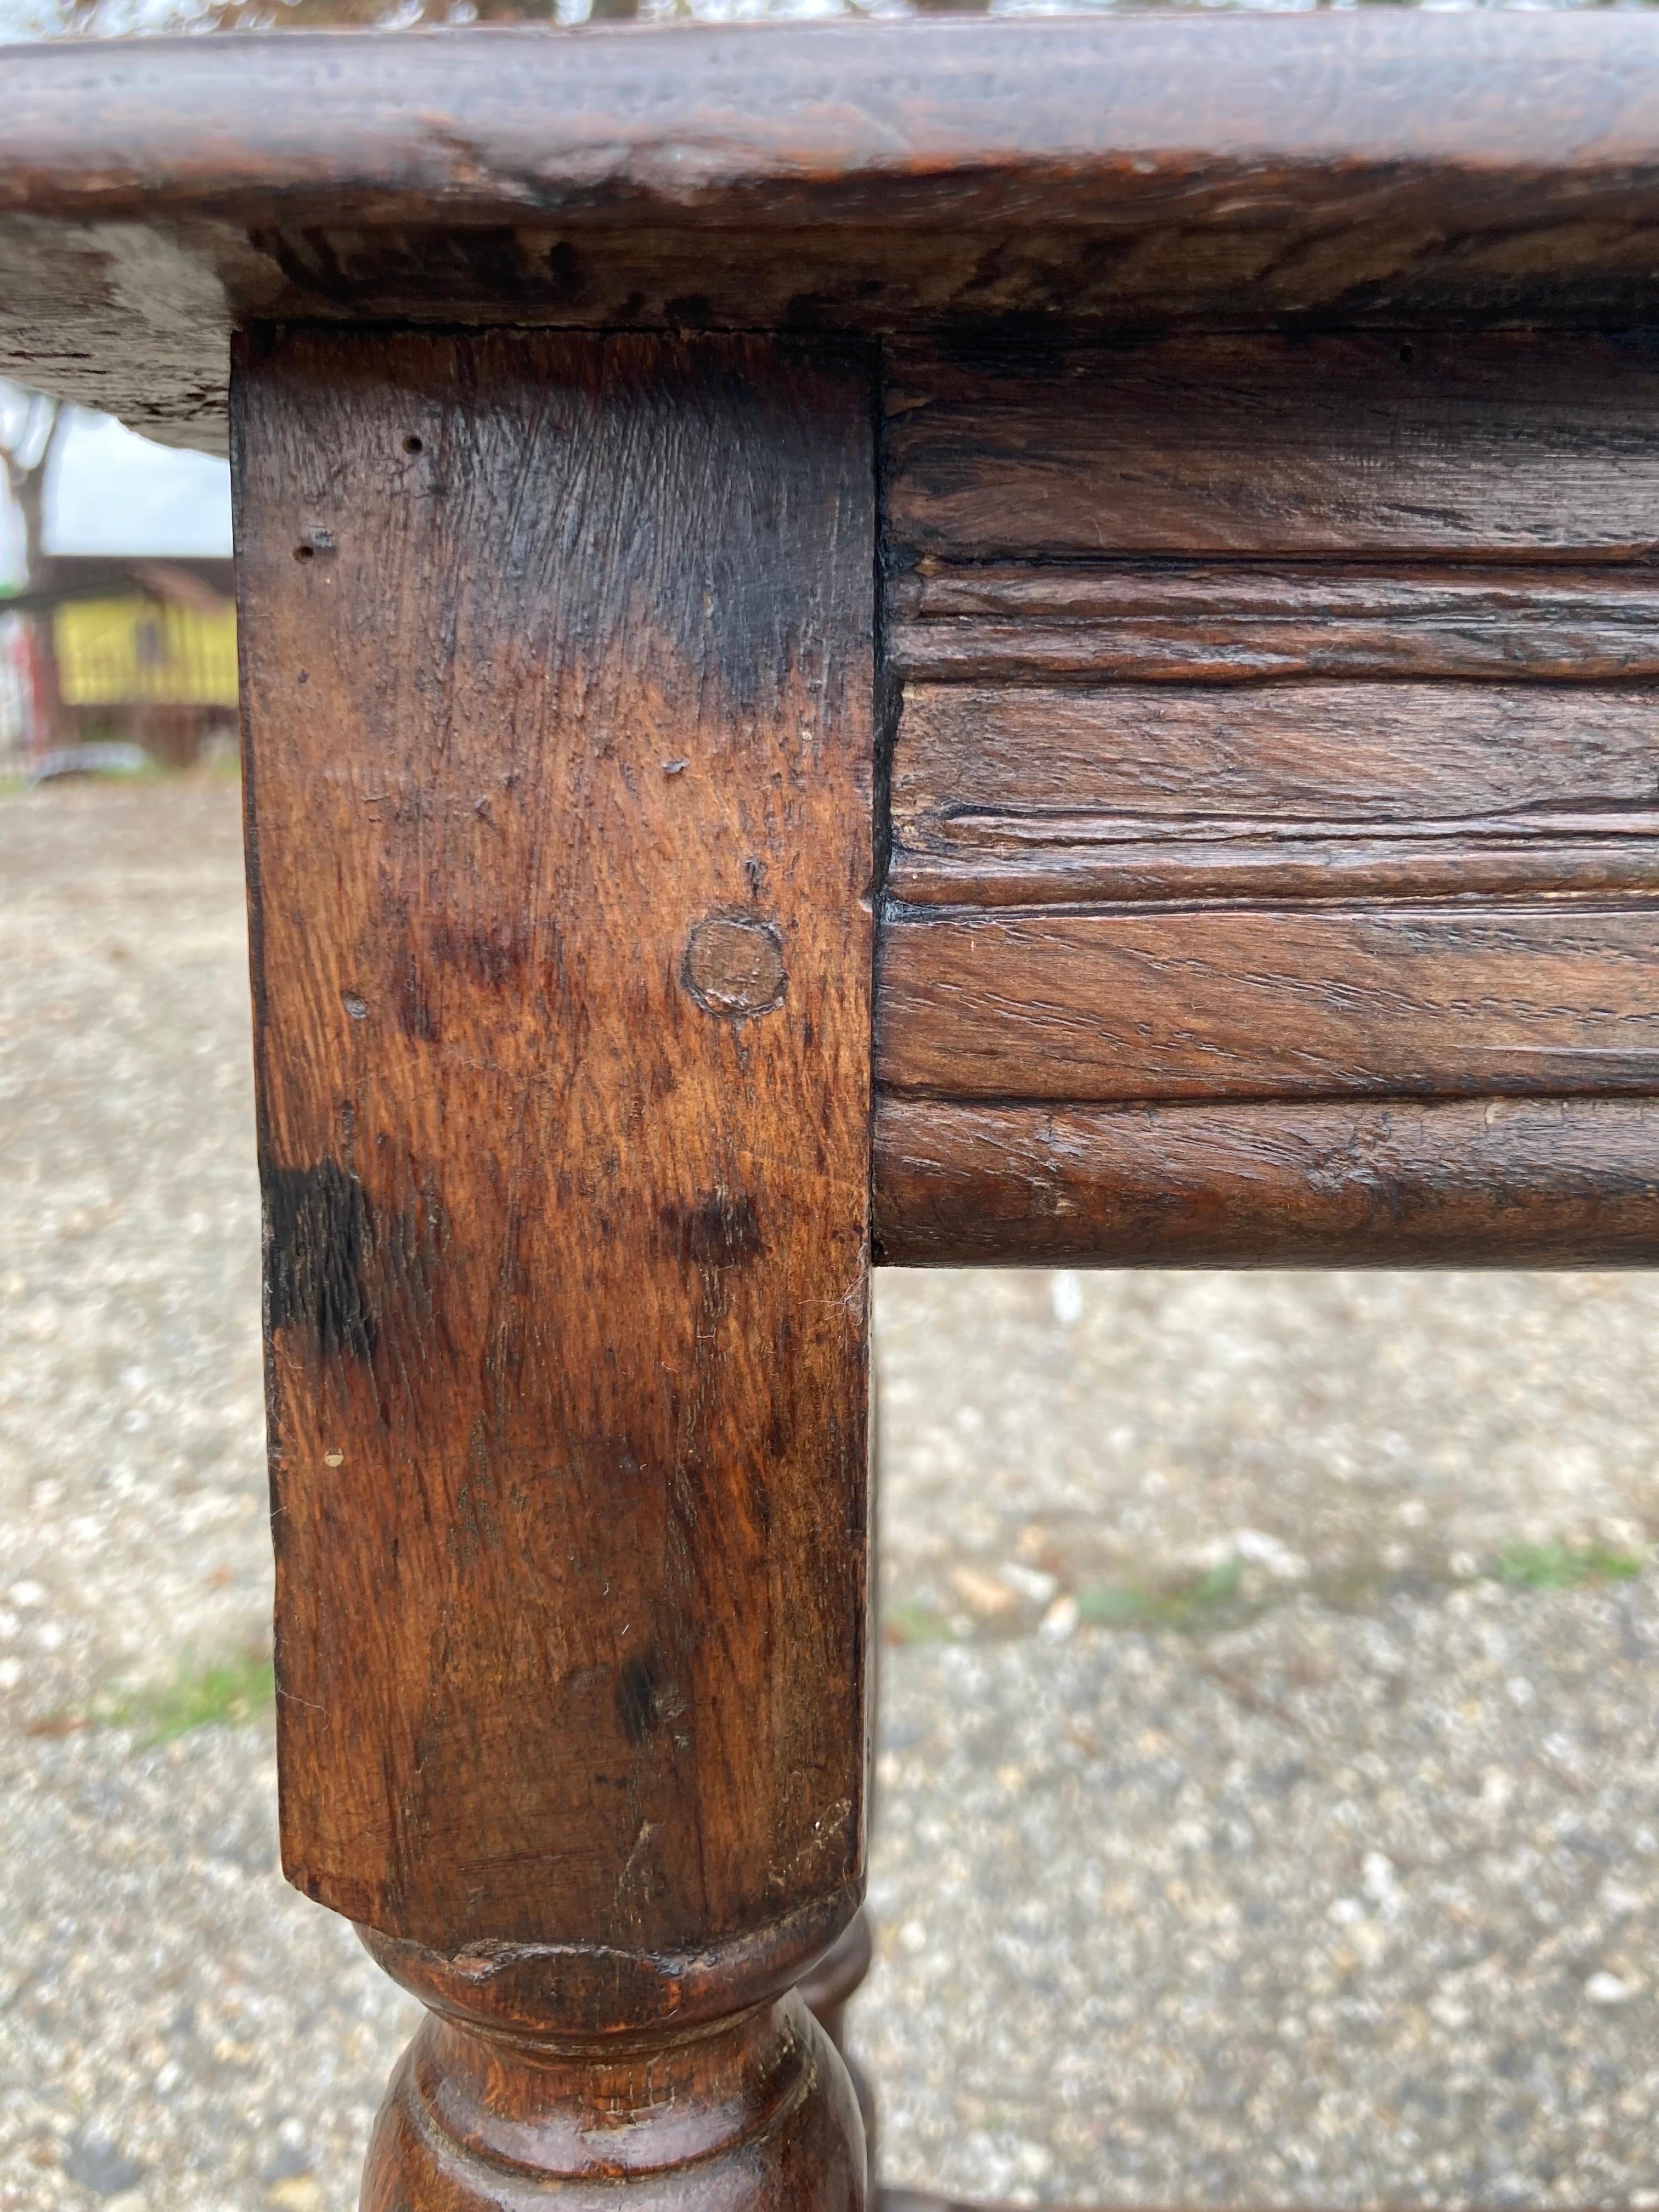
(924, 643)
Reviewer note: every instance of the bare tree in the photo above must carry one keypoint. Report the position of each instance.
(30, 427)
(30, 424)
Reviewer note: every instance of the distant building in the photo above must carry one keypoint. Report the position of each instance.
(142, 650)
(126, 627)
(145, 650)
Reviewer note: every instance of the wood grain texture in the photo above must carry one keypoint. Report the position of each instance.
(1381, 753)
(1012, 177)
(1017, 794)
(1003, 862)
(1312, 1001)
(1187, 622)
(1518, 445)
(1533, 1182)
(1274, 817)
(558, 653)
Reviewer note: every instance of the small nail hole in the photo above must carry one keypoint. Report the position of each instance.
(305, 552)
(412, 444)
(1409, 353)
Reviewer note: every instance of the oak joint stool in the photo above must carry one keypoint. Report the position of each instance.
(929, 642)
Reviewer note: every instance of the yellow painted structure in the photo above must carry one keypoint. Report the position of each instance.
(117, 651)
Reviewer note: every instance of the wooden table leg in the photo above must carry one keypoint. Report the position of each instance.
(558, 677)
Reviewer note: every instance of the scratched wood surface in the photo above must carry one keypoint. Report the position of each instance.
(1011, 793)
(1359, 444)
(1388, 753)
(1519, 1182)
(1215, 622)
(1310, 1001)
(558, 669)
(1217, 850)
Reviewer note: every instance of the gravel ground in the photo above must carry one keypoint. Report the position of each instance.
(1269, 1768)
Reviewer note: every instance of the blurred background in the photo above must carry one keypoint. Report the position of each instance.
(1269, 1759)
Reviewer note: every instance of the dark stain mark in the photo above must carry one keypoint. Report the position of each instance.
(563, 265)
(317, 1233)
(409, 1248)
(743, 607)
(340, 265)
(810, 311)
(417, 1017)
(639, 1693)
(478, 1524)
(492, 952)
(717, 1229)
(735, 968)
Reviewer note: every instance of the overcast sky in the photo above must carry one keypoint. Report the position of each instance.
(110, 491)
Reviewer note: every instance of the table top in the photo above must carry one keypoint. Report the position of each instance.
(990, 179)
